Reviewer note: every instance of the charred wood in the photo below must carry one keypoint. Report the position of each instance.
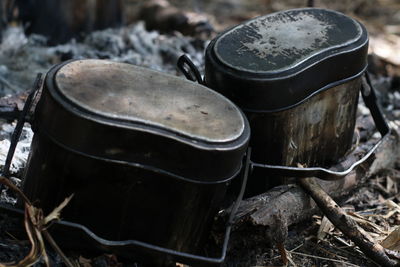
(295, 205)
(162, 16)
(3, 15)
(12, 105)
(62, 20)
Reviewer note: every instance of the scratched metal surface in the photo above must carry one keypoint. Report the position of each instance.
(318, 132)
(124, 91)
(280, 41)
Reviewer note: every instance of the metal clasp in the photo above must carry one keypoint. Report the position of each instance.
(189, 69)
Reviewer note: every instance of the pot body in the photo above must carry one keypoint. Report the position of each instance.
(122, 202)
(319, 132)
(134, 175)
(296, 74)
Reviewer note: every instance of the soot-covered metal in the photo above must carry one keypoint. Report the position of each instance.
(270, 63)
(278, 43)
(141, 138)
(297, 76)
(107, 89)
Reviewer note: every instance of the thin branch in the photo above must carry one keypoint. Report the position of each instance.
(345, 223)
(51, 241)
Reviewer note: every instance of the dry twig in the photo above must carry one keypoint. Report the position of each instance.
(346, 224)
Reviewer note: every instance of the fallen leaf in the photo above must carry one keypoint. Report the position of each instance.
(392, 241)
(325, 228)
(83, 262)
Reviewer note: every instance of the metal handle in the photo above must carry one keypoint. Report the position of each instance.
(20, 124)
(191, 72)
(369, 97)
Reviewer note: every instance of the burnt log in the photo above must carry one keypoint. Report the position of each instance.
(296, 205)
(162, 16)
(3, 17)
(12, 105)
(62, 20)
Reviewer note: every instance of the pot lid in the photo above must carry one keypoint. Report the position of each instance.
(275, 62)
(281, 41)
(132, 94)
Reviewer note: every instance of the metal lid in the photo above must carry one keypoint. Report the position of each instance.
(276, 61)
(133, 94)
(280, 41)
(139, 118)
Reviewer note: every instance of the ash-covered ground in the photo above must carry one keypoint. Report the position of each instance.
(22, 57)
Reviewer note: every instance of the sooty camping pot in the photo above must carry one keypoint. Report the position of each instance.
(297, 76)
(148, 156)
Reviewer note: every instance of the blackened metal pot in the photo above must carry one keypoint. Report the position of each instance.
(297, 76)
(148, 156)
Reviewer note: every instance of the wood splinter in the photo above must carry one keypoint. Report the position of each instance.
(279, 233)
(346, 224)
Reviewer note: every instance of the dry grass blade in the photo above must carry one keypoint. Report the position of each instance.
(323, 258)
(394, 208)
(37, 247)
(35, 215)
(35, 226)
(55, 214)
(325, 228)
(392, 204)
(291, 260)
(51, 241)
(366, 223)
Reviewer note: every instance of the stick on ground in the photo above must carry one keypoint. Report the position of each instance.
(346, 224)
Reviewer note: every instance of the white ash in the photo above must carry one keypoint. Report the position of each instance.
(23, 57)
(362, 109)
(20, 156)
(6, 197)
(22, 149)
(13, 41)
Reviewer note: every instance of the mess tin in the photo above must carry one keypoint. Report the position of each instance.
(148, 156)
(297, 75)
